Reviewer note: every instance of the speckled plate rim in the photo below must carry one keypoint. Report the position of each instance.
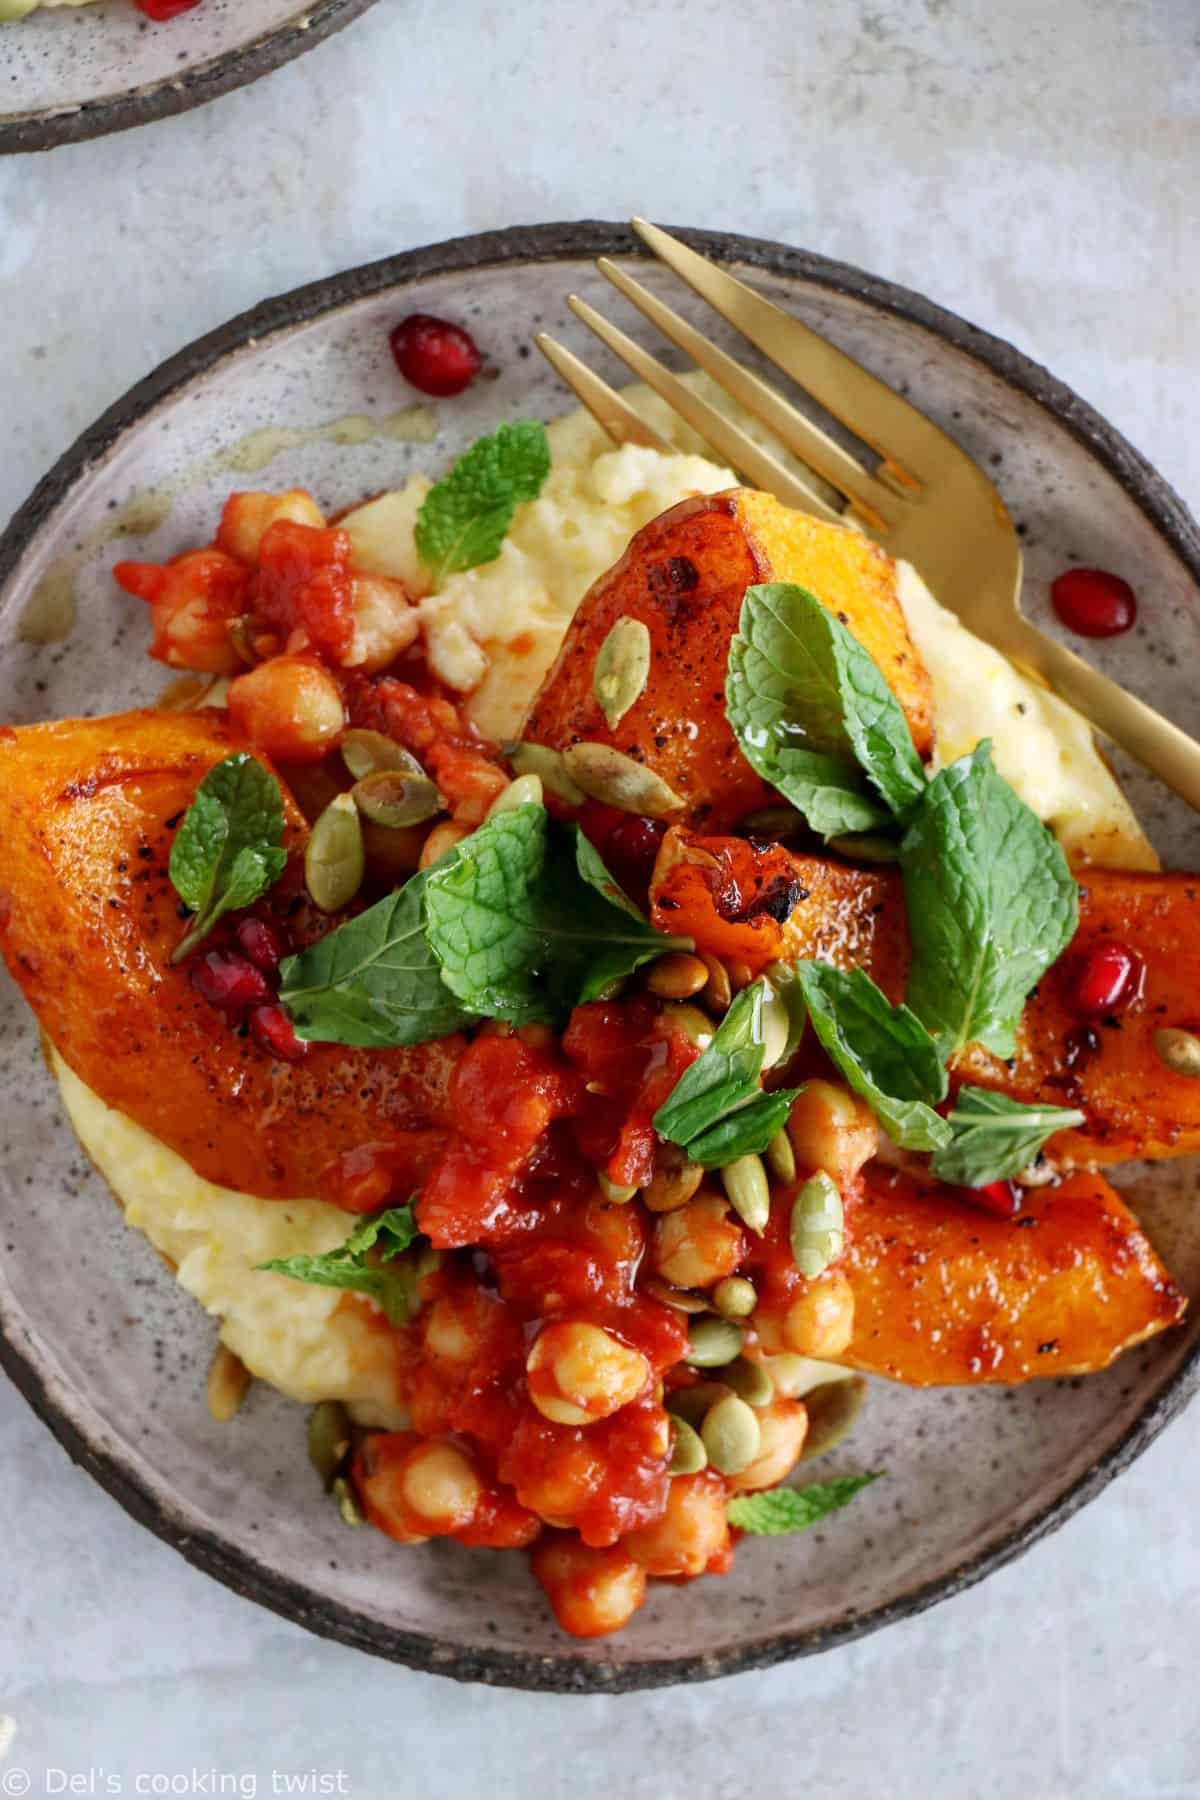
(250, 1576)
(51, 126)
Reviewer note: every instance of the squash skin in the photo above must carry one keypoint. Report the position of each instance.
(762, 904)
(88, 919)
(685, 575)
(947, 1294)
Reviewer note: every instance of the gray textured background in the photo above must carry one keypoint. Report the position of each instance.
(1037, 177)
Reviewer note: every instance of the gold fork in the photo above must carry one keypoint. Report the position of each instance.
(927, 501)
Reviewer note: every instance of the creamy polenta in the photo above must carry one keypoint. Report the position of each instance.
(491, 634)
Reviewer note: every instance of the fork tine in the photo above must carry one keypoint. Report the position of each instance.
(875, 503)
(610, 411)
(738, 450)
(902, 436)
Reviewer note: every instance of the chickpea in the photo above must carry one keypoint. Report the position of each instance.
(248, 517)
(579, 1372)
(563, 1481)
(820, 1322)
(832, 1129)
(782, 1425)
(690, 1533)
(289, 708)
(439, 1485)
(698, 1244)
(443, 837)
(591, 1591)
(455, 1330)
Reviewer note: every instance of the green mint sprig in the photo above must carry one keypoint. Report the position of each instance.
(991, 904)
(382, 1237)
(229, 848)
(993, 1137)
(883, 1051)
(717, 1109)
(465, 517)
(814, 716)
(520, 921)
(780, 1510)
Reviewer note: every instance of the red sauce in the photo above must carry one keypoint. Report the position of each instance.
(1094, 603)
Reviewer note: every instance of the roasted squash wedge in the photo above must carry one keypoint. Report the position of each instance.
(685, 575)
(946, 1294)
(88, 919)
(766, 904)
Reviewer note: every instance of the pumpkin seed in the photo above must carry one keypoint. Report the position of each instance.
(749, 1381)
(526, 790)
(670, 1188)
(719, 992)
(688, 1455)
(622, 669)
(228, 1384)
(691, 1403)
(367, 752)
(713, 1342)
(745, 1182)
(396, 797)
(818, 1225)
(865, 846)
(832, 1410)
(731, 1435)
(347, 1502)
(548, 765)
(772, 822)
(735, 1297)
(328, 1439)
(677, 976)
(682, 1299)
(695, 1025)
(780, 1158)
(1178, 1050)
(615, 1192)
(335, 858)
(608, 775)
(776, 1026)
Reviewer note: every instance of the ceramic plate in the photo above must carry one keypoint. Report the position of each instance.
(67, 75)
(95, 1332)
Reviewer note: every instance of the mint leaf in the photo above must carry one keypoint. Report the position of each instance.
(783, 1509)
(374, 982)
(800, 683)
(527, 920)
(386, 1234)
(991, 904)
(723, 1077)
(995, 1137)
(744, 1132)
(884, 1052)
(828, 791)
(228, 850)
(465, 517)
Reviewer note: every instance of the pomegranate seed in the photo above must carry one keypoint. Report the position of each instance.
(434, 355)
(271, 1027)
(1104, 980)
(165, 9)
(1094, 603)
(230, 983)
(1001, 1198)
(260, 942)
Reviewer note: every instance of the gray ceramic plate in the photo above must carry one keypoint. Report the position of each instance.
(107, 1349)
(67, 75)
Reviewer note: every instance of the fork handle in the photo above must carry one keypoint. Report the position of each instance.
(1143, 733)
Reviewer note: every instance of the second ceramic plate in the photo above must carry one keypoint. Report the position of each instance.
(110, 1350)
(68, 74)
